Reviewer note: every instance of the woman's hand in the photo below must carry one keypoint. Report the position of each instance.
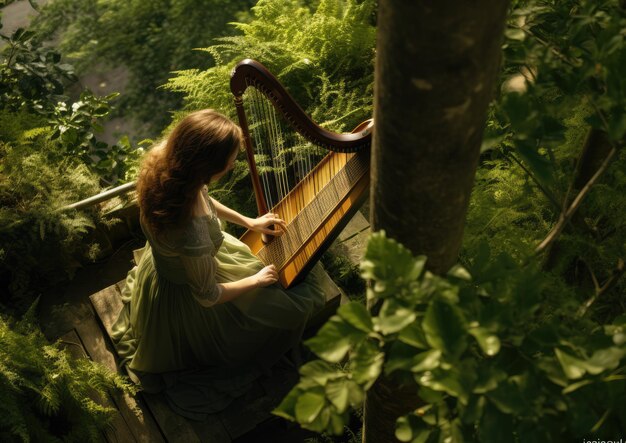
(264, 223)
(266, 276)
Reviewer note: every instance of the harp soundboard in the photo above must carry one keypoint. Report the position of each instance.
(312, 178)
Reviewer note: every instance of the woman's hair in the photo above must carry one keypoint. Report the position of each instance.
(173, 172)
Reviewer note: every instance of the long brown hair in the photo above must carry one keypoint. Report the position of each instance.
(172, 174)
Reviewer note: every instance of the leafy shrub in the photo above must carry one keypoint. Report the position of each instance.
(46, 395)
(33, 79)
(150, 38)
(485, 366)
(40, 245)
(515, 345)
(324, 56)
(49, 158)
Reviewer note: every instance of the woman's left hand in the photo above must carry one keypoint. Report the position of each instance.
(265, 223)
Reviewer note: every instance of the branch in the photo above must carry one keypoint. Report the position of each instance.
(548, 194)
(617, 273)
(579, 163)
(566, 216)
(547, 45)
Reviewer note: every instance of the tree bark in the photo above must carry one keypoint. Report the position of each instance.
(436, 66)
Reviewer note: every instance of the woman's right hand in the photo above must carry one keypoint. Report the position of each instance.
(266, 276)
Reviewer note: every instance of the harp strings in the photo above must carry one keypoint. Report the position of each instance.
(284, 158)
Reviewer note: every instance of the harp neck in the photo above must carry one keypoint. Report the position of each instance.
(252, 73)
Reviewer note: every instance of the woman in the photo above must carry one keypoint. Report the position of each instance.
(203, 317)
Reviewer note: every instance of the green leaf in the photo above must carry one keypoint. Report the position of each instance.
(575, 386)
(320, 423)
(572, 366)
(429, 395)
(604, 359)
(490, 142)
(338, 394)
(320, 372)
(454, 432)
(308, 407)
(366, 364)
(507, 398)
(444, 328)
(553, 370)
(426, 361)
(404, 431)
(389, 264)
(448, 381)
(357, 315)
(334, 339)
(489, 343)
(488, 379)
(474, 409)
(514, 34)
(413, 335)
(539, 165)
(394, 316)
(287, 406)
(411, 429)
(400, 356)
(356, 394)
(458, 271)
(337, 424)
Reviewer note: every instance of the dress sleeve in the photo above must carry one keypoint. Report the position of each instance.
(193, 252)
(200, 272)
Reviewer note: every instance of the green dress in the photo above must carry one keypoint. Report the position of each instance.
(200, 357)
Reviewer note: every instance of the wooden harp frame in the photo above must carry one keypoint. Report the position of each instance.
(252, 73)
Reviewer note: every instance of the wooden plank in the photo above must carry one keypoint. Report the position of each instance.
(253, 410)
(247, 411)
(333, 298)
(107, 304)
(211, 431)
(118, 429)
(175, 427)
(244, 414)
(135, 413)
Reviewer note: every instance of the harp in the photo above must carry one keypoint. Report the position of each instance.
(313, 179)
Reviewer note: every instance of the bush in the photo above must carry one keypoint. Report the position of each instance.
(46, 395)
(49, 158)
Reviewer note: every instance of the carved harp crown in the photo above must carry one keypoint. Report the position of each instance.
(312, 178)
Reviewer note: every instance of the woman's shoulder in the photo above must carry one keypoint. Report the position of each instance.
(190, 238)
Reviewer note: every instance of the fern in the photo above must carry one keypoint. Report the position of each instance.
(323, 56)
(509, 213)
(45, 394)
(44, 243)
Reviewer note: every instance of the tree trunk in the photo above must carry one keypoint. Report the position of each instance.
(436, 66)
